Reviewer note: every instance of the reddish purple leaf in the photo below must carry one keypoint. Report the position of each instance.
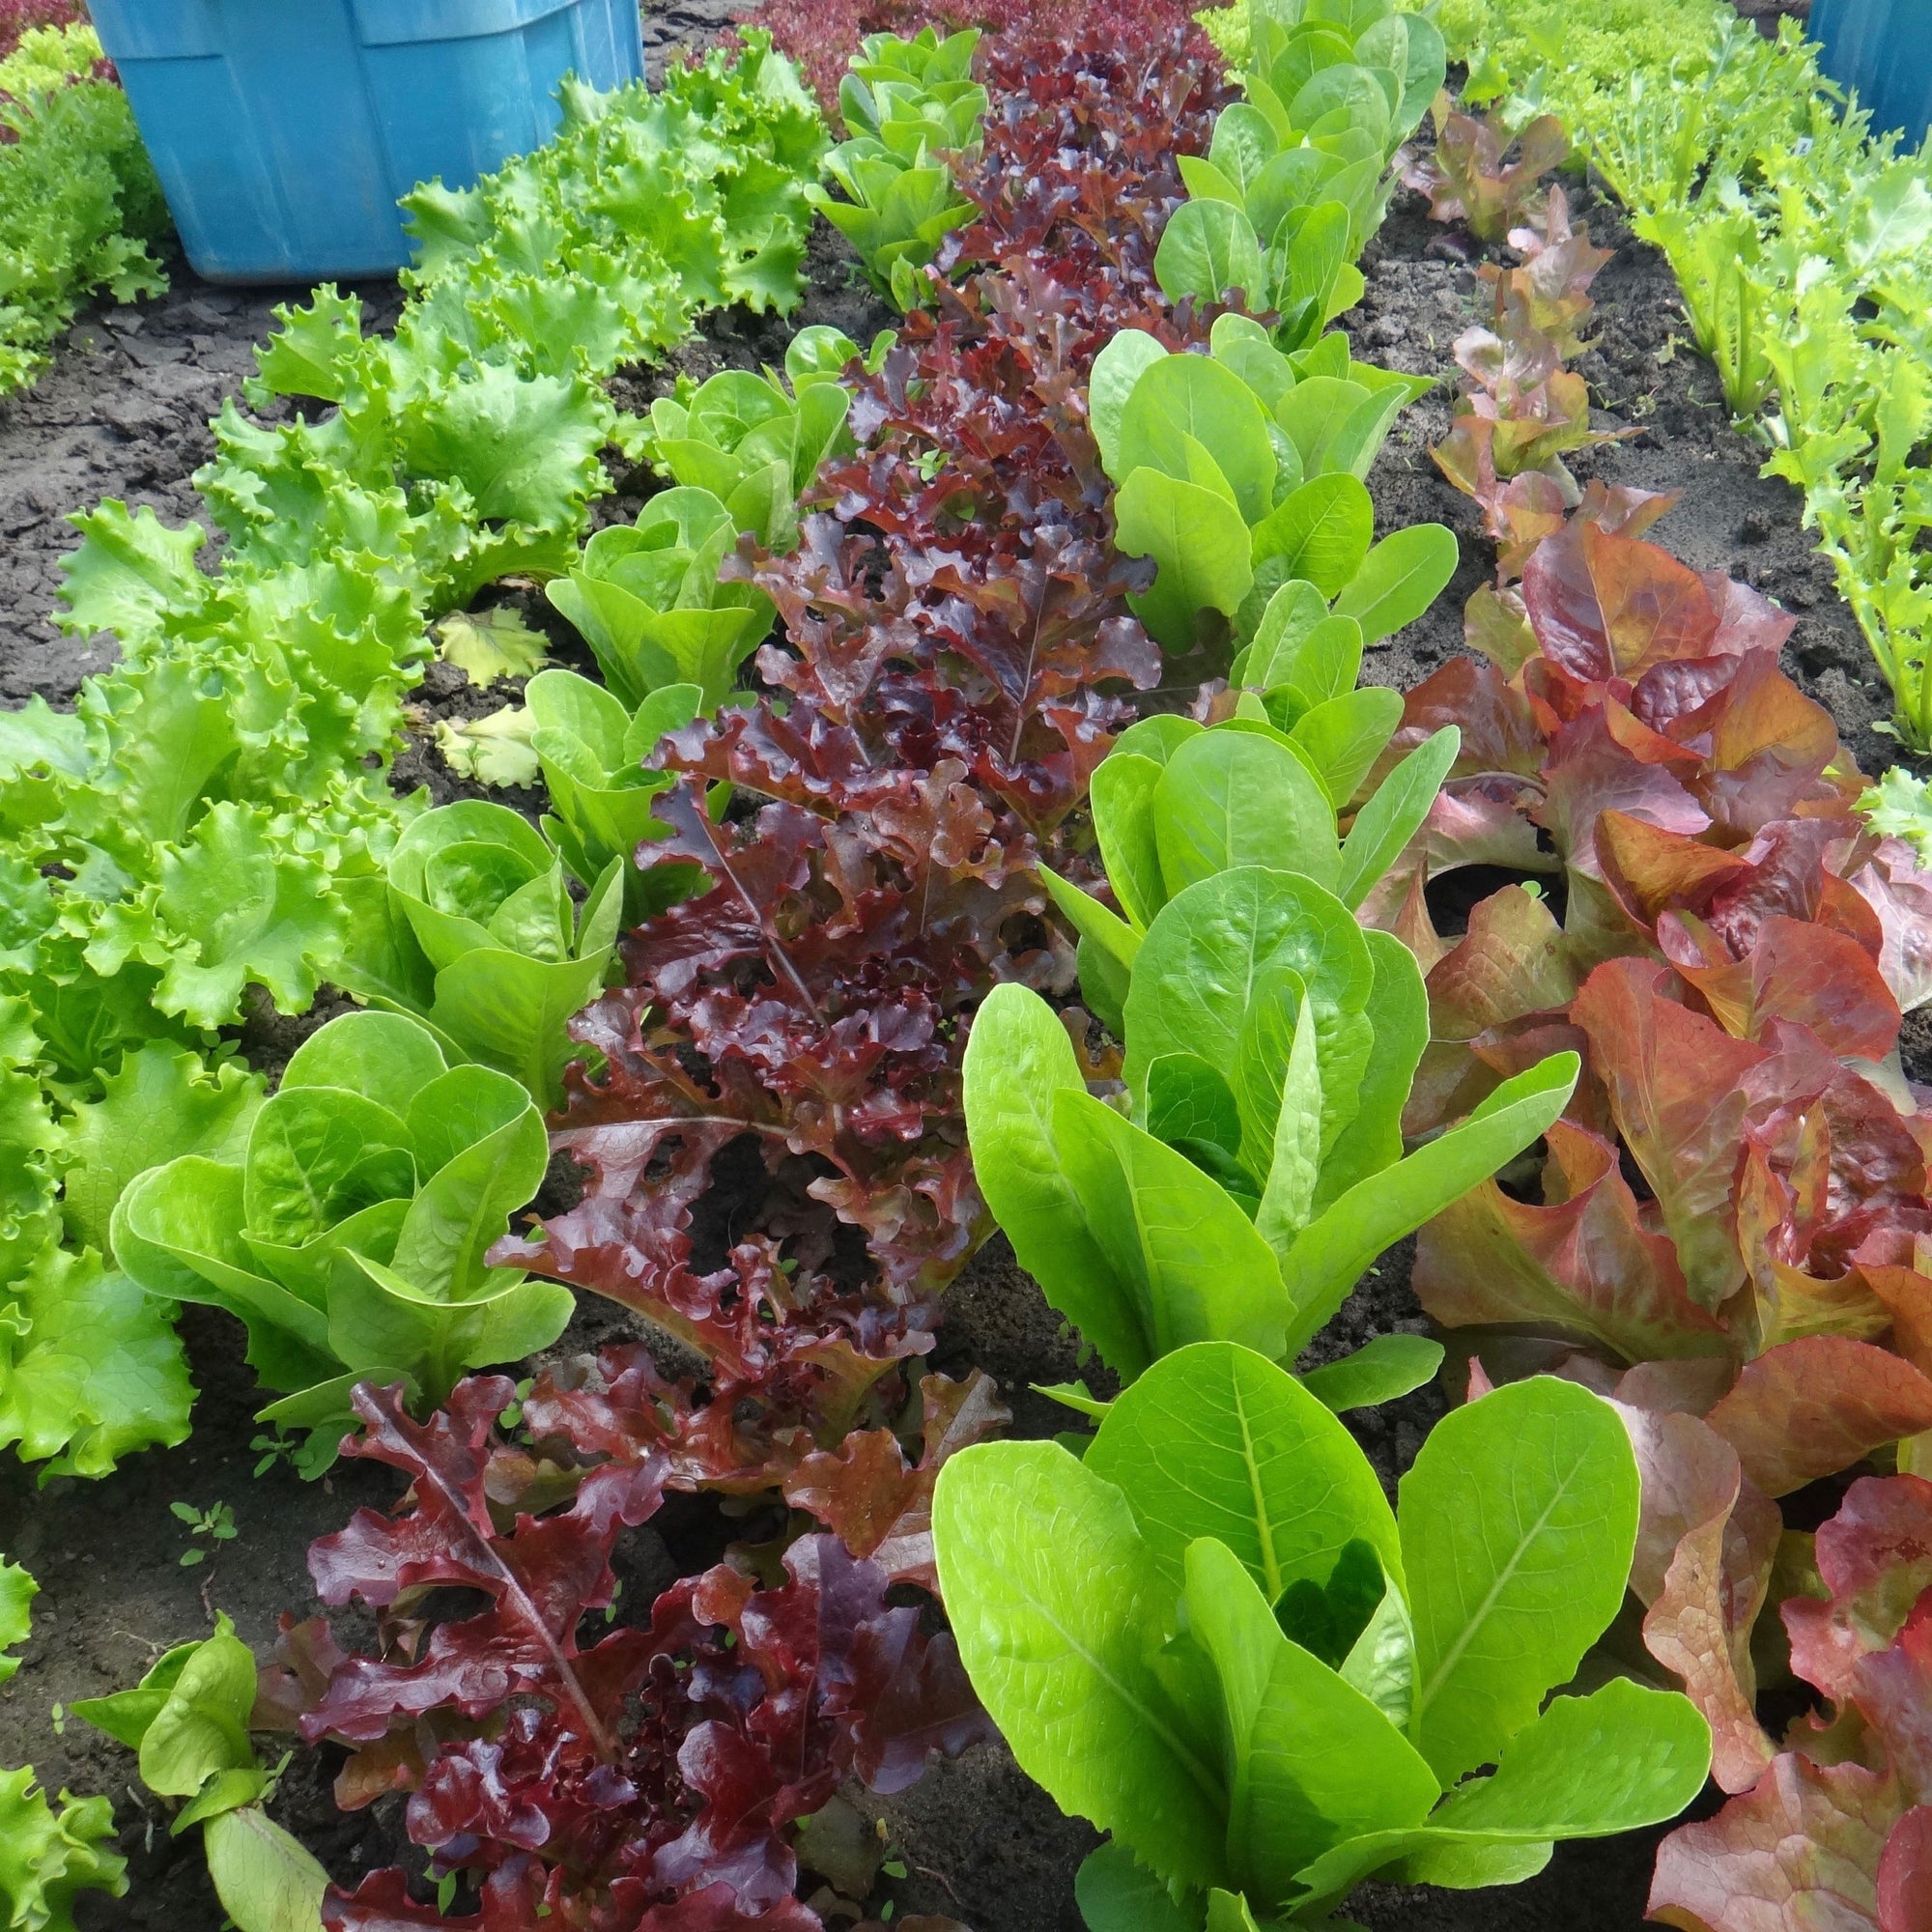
(1676, 1084)
(1875, 1557)
(666, 1759)
(1905, 1874)
(1811, 1408)
(878, 1503)
(1582, 1263)
(1706, 1543)
(1611, 607)
(1798, 1853)
(1900, 893)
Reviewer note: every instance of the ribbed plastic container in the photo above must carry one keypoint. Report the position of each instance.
(1883, 48)
(285, 130)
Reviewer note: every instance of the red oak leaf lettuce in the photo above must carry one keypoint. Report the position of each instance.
(655, 1762)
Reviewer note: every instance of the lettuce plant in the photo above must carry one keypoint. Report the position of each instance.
(907, 104)
(1295, 183)
(1853, 415)
(1731, 296)
(647, 599)
(349, 1234)
(1467, 179)
(1595, 636)
(48, 1858)
(1175, 802)
(80, 205)
(1310, 740)
(1212, 1636)
(1270, 1044)
(194, 826)
(90, 1367)
(647, 207)
(1851, 1797)
(592, 753)
(1521, 411)
(653, 1768)
(189, 1721)
(756, 441)
(1241, 471)
(485, 943)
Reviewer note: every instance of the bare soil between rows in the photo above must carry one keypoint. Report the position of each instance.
(124, 412)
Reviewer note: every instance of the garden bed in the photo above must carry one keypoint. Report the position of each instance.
(121, 413)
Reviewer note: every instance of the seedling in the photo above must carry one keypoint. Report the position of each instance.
(188, 1720)
(211, 1528)
(278, 1446)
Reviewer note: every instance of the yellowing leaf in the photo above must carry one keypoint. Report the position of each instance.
(489, 646)
(494, 750)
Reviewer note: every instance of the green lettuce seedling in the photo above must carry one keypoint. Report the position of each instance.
(188, 1720)
(647, 600)
(1270, 1045)
(906, 104)
(1296, 180)
(1241, 471)
(350, 1234)
(592, 753)
(756, 442)
(1176, 802)
(1213, 1638)
(485, 943)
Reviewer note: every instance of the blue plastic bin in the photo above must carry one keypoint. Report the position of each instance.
(1883, 48)
(284, 131)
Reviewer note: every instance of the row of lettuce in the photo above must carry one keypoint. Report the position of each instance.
(80, 210)
(1115, 447)
(211, 829)
(1726, 1236)
(1802, 241)
(1203, 1623)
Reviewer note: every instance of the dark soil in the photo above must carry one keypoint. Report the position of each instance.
(124, 412)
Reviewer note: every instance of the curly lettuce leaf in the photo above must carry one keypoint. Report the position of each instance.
(79, 200)
(47, 1856)
(90, 1369)
(162, 1101)
(18, 1591)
